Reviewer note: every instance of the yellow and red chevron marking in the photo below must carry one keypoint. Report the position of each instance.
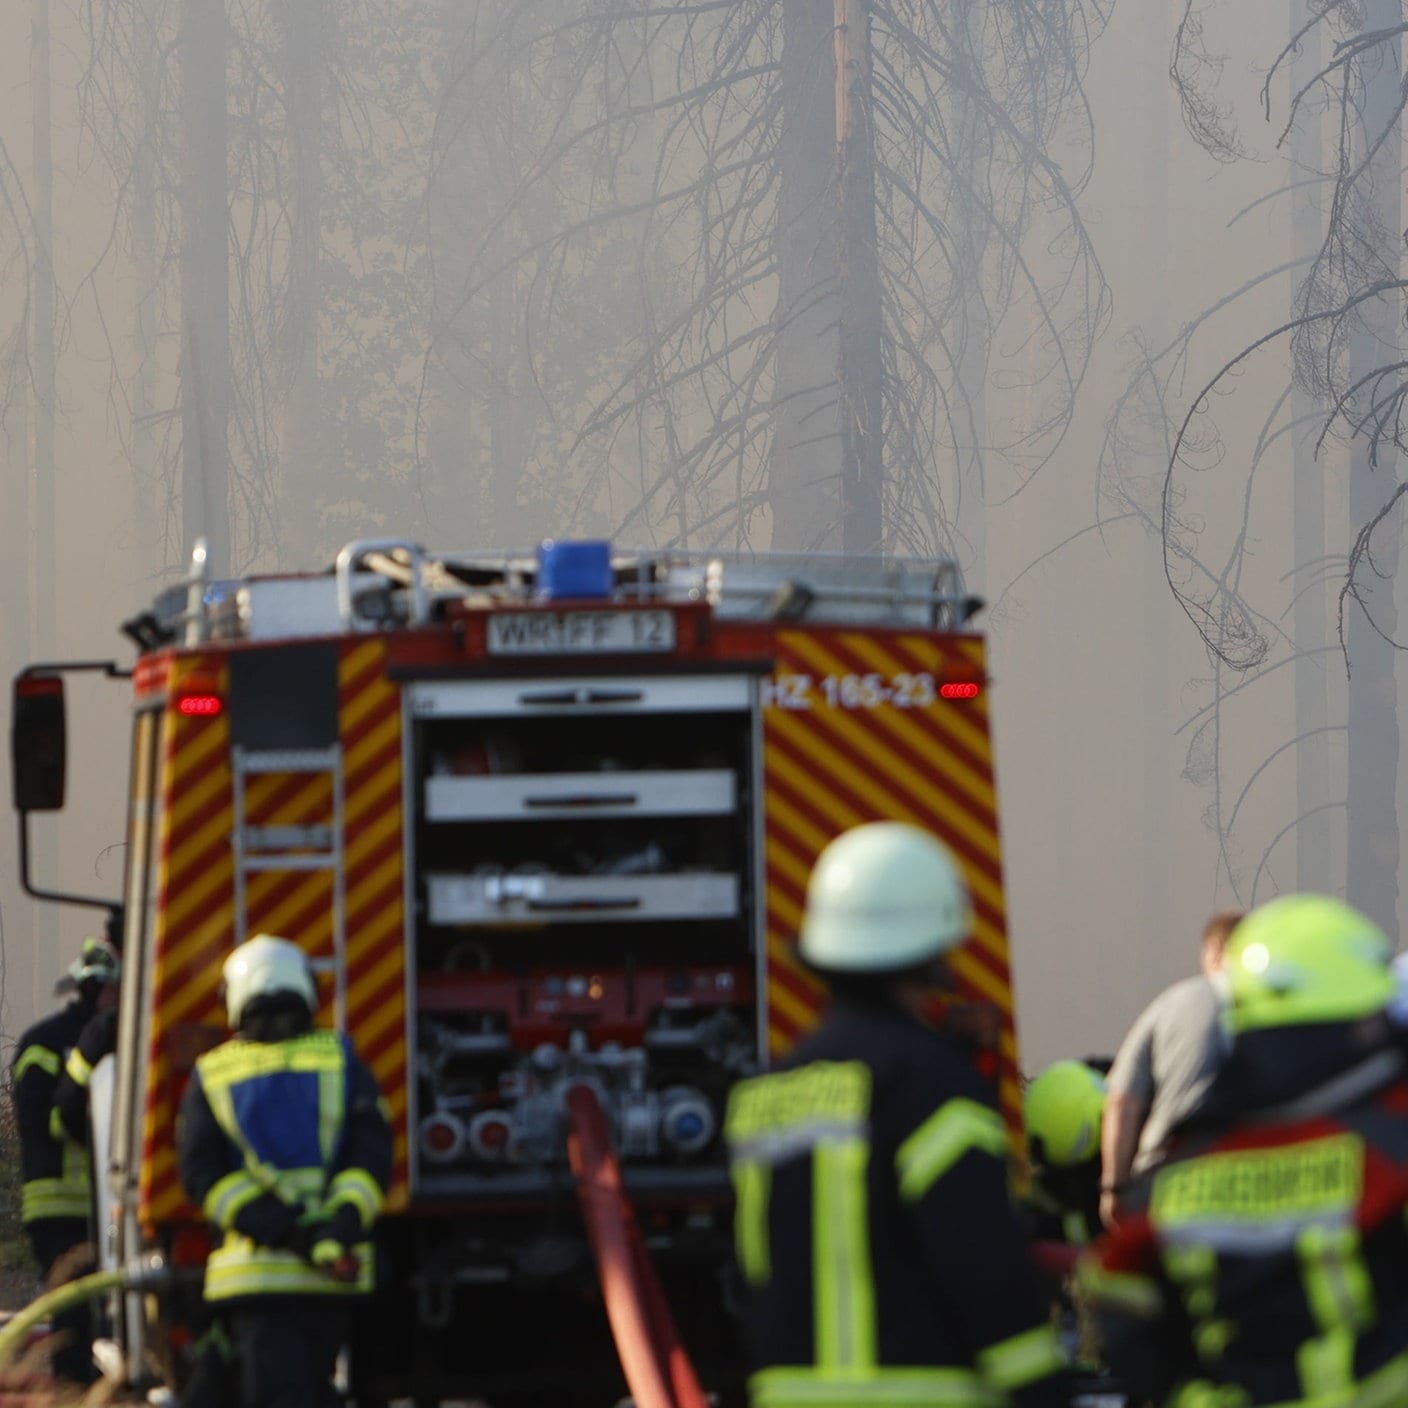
(298, 904)
(195, 925)
(370, 724)
(195, 893)
(838, 750)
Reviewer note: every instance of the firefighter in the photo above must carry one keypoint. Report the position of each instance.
(55, 1199)
(1061, 1112)
(1263, 1261)
(883, 1257)
(285, 1144)
(97, 1040)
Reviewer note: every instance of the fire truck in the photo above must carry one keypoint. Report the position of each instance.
(543, 822)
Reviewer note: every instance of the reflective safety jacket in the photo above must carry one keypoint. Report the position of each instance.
(874, 1228)
(53, 1168)
(276, 1137)
(1268, 1263)
(97, 1039)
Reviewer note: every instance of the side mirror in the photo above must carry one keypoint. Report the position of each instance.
(38, 743)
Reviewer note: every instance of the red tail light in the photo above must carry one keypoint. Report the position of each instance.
(200, 706)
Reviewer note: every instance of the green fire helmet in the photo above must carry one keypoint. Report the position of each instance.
(97, 964)
(1061, 1113)
(1304, 959)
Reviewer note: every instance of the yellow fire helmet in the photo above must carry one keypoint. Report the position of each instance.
(1304, 959)
(1061, 1112)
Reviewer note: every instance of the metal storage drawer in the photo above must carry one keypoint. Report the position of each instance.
(573, 697)
(579, 899)
(697, 792)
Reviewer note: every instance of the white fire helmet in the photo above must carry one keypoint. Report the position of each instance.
(261, 967)
(884, 897)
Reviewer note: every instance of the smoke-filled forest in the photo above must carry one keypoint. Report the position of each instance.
(1104, 301)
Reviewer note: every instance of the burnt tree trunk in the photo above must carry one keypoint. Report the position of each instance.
(303, 87)
(1159, 763)
(1310, 614)
(42, 542)
(1371, 878)
(862, 315)
(144, 440)
(205, 282)
(805, 468)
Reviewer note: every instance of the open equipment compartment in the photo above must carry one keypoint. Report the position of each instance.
(585, 915)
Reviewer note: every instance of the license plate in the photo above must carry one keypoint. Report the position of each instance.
(581, 632)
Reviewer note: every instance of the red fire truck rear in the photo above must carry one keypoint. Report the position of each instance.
(540, 820)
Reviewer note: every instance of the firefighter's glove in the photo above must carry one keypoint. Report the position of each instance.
(344, 1226)
(309, 1230)
(336, 1260)
(338, 1234)
(267, 1221)
(322, 1237)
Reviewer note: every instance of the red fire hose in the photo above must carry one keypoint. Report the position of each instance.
(657, 1368)
(1058, 1258)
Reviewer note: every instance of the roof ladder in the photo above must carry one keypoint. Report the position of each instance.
(290, 848)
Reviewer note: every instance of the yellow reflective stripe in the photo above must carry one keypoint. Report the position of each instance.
(943, 1139)
(222, 1106)
(1337, 1284)
(79, 1068)
(1261, 1186)
(53, 1197)
(241, 1060)
(1125, 1291)
(1386, 1387)
(239, 1268)
(752, 1187)
(317, 1053)
(1199, 1393)
(1193, 1269)
(1022, 1359)
(904, 1387)
(359, 1189)
(842, 1278)
(56, 1125)
(332, 1083)
(1211, 1338)
(1074, 1229)
(225, 1199)
(1326, 1364)
(41, 1056)
(822, 1093)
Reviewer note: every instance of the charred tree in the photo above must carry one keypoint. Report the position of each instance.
(145, 452)
(1348, 356)
(205, 281)
(1310, 614)
(42, 494)
(861, 377)
(805, 472)
(303, 22)
(1158, 766)
(1370, 616)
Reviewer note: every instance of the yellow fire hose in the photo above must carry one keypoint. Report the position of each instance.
(143, 1275)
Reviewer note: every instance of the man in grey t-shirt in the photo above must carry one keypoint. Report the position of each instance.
(1163, 1070)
